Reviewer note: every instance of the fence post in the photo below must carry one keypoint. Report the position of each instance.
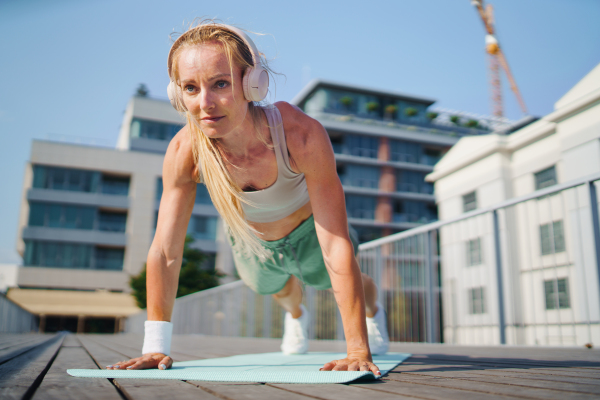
(500, 288)
(429, 295)
(595, 224)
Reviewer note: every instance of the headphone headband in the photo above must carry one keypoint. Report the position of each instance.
(255, 79)
(239, 33)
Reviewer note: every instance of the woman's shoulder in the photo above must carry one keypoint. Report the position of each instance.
(180, 156)
(300, 129)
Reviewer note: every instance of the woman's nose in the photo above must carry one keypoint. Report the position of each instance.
(206, 99)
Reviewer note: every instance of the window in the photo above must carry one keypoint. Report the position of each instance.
(61, 216)
(361, 176)
(117, 185)
(337, 142)
(474, 256)
(556, 292)
(361, 146)
(360, 207)
(366, 234)
(414, 211)
(431, 156)
(469, 202)
(57, 254)
(552, 238)
(405, 151)
(57, 178)
(111, 221)
(412, 181)
(202, 227)
(545, 178)
(109, 258)
(477, 300)
(153, 129)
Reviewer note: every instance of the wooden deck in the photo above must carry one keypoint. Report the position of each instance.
(34, 367)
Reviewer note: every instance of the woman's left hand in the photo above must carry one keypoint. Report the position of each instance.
(352, 364)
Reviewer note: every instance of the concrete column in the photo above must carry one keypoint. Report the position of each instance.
(42, 323)
(80, 323)
(387, 183)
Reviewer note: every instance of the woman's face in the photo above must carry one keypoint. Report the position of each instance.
(213, 97)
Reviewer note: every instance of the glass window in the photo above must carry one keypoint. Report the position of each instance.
(361, 146)
(116, 185)
(109, 258)
(474, 255)
(361, 176)
(111, 221)
(61, 216)
(545, 178)
(153, 129)
(469, 202)
(57, 254)
(360, 206)
(366, 234)
(412, 181)
(337, 142)
(159, 188)
(431, 156)
(203, 227)
(477, 300)
(552, 238)
(57, 178)
(414, 211)
(556, 292)
(405, 151)
(202, 196)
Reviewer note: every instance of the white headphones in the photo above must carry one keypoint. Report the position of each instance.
(255, 79)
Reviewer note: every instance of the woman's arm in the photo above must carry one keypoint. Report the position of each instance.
(166, 252)
(312, 154)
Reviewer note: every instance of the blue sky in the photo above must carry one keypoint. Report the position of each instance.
(69, 67)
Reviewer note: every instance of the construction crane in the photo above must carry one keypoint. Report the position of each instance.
(497, 60)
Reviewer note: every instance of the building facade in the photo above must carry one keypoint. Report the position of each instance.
(548, 259)
(385, 143)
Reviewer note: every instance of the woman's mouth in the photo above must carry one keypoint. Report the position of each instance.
(212, 120)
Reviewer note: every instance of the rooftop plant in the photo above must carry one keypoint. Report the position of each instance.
(411, 111)
(455, 119)
(346, 101)
(472, 123)
(432, 115)
(372, 106)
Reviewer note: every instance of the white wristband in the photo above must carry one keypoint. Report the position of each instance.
(157, 338)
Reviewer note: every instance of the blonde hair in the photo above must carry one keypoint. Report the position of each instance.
(224, 192)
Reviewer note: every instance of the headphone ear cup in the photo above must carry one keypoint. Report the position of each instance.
(175, 97)
(255, 83)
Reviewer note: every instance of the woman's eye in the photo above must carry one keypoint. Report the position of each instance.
(188, 89)
(221, 84)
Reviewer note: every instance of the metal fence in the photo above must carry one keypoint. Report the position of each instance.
(14, 319)
(523, 272)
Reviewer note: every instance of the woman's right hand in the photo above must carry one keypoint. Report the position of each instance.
(147, 361)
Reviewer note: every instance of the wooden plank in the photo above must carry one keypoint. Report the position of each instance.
(71, 341)
(345, 392)
(496, 389)
(57, 384)
(518, 382)
(425, 391)
(15, 341)
(24, 373)
(530, 374)
(131, 352)
(254, 391)
(22, 347)
(143, 388)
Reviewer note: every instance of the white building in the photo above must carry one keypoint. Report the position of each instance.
(551, 283)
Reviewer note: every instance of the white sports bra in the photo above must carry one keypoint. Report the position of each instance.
(289, 192)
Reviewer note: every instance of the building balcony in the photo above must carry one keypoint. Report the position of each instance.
(348, 158)
(79, 198)
(94, 237)
(395, 195)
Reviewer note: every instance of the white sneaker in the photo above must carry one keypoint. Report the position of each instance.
(295, 333)
(379, 341)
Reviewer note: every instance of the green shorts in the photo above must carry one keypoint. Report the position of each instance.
(298, 254)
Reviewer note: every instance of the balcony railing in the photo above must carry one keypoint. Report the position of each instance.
(484, 277)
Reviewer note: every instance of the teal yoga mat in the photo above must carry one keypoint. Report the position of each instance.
(265, 367)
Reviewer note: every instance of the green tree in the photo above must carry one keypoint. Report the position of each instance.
(192, 277)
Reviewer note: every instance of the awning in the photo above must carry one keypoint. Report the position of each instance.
(74, 303)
